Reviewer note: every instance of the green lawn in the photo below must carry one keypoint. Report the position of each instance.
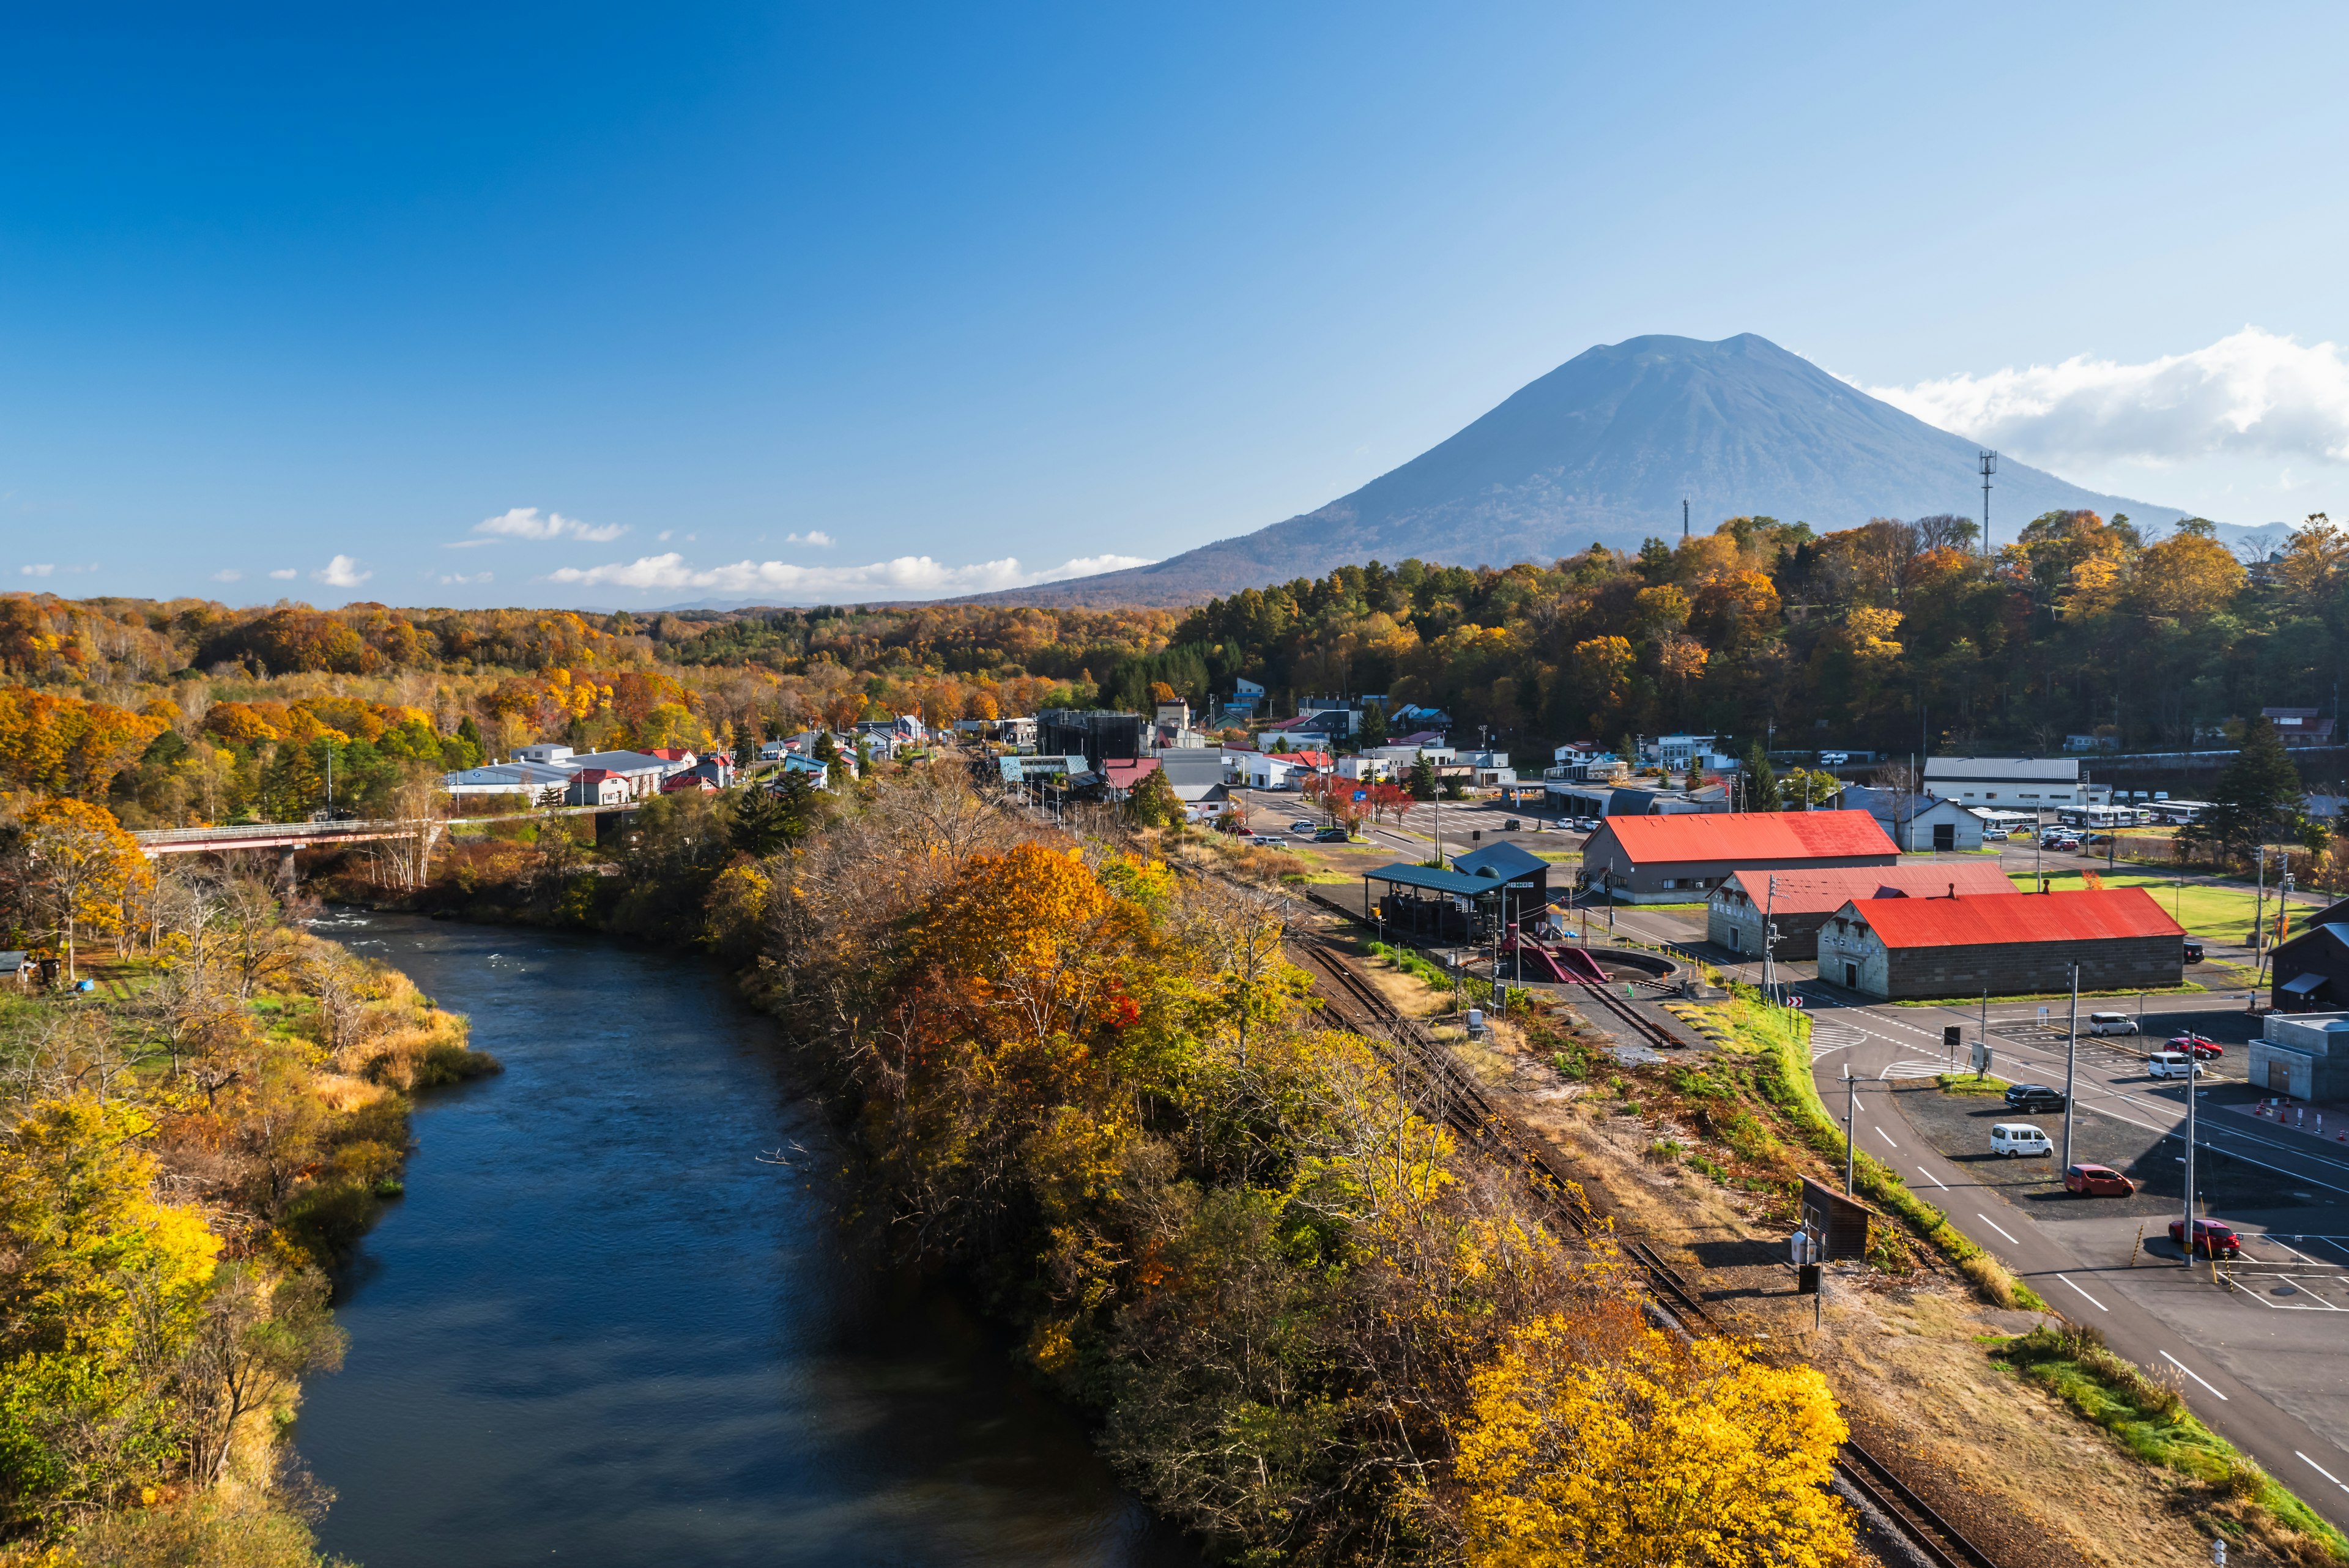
(2214, 914)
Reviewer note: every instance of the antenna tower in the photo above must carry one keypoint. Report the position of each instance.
(1989, 466)
(1684, 517)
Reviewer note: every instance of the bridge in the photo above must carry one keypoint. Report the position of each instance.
(292, 835)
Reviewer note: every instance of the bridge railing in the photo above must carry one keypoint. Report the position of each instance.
(349, 827)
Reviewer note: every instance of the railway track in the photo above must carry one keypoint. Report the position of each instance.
(1466, 1108)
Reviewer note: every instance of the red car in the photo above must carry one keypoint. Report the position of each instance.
(2212, 1239)
(2203, 1049)
(2098, 1181)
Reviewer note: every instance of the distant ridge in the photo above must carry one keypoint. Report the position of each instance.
(1602, 450)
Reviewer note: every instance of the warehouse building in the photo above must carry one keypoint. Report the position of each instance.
(1799, 902)
(2311, 971)
(2012, 783)
(1681, 859)
(1904, 950)
(2294, 1057)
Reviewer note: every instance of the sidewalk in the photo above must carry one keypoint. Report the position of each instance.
(2298, 1118)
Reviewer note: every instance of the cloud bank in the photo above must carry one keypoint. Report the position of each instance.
(524, 523)
(906, 577)
(2250, 395)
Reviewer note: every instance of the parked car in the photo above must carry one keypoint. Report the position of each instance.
(2172, 1064)
(1331, 836)
(2018, 1139)
(2200, 1049)
(2193, 950)
(1994, 835)
(2111, 1023)
(1301, 825)
(1510, 826)
(2060, 841)
(2098, 1181)
(2035, 1097)
(2212, 1238)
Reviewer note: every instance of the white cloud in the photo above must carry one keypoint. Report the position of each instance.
(42, 570)
(342, 572)
(284, 574)
(227, 574)
(460, 579)
(906, 577)
(524, 523)
(2252, 395)
(812, 537)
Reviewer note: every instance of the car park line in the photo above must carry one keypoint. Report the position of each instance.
(2083, 1295)
(2198, 1377)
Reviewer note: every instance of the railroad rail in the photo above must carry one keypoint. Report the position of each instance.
(1466, 1108)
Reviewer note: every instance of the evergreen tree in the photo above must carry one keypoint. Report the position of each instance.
(827, 749)
(1421, 779)
(469, 734)
(2259, 799)
(795, 795)
(1374, 726)
(1761, 781)
(757, 828)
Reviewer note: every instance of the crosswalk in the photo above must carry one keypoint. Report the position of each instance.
(1826, 1036)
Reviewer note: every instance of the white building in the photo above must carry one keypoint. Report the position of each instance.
(1918, 823)
(2010, 784)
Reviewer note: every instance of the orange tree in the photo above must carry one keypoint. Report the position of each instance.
(79, 867)
(62, 745)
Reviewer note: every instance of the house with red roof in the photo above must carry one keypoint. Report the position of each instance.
(1902, 950)
(1681, 858)
(1797, 903)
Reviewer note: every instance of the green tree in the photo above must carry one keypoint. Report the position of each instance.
(1154, 803)
(757, 828)
(2259, 799)
(1374, 726)
(1421, 781)
(1761, 781)
(826, 751)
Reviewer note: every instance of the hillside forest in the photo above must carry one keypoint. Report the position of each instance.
(1892, 635)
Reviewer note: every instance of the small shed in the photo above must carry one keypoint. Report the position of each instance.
(16, 969)
(1437, 905)
(1836, 1219)
(2311, 968)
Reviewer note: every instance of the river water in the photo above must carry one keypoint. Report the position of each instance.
(599, 1330)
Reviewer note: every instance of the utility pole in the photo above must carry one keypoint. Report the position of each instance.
(2193, 1074)
(1769, 977)
(1988, 461)
(1850, 1125)
(2259, 927)
(2071, 1057)
(1684, 517)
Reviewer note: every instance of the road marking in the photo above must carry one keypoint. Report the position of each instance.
(2198, 1378)
(2303, 1459)
(1933, 1179)
(1885, 1136)
(2093, 1301)
(1993, 1225)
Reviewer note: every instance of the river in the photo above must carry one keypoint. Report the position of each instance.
(599, 1330)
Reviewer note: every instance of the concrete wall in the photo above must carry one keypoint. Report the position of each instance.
(2008, 969)
(2312, 1049)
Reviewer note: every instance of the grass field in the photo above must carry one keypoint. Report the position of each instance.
(2214, 914)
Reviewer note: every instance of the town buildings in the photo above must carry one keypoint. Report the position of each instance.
(2010, 784)
(1799, 902)
(1910, 949)
(1680, 858)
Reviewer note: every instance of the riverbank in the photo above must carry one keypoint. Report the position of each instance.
(1311, 1328)
(191, 1147)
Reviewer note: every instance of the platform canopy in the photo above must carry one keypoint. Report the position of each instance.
(1428, 879)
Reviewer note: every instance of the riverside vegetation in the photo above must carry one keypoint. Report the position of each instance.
(1082, 1075)
(183, 1152)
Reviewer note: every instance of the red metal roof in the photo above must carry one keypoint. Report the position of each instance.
(1124, 773)
(1745, 838)
(2086, 915)
(1825, 890)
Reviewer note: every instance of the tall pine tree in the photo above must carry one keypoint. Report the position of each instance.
(2259, 799)
(1760, 790)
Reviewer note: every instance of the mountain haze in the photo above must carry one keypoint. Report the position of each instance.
(1603, 448)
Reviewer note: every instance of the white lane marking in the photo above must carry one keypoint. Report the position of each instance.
(2198, 1378)
(2312, 1464)
(2090, 1300)
(1993, 1225)
(1933, 1179)
(1885, 1136)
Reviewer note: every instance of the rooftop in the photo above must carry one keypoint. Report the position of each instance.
(1828, 889)
(1504, 860)
(1741, 837)
(2086, 915)
(2029, 770)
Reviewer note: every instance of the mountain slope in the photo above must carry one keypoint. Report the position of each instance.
(1603, 448)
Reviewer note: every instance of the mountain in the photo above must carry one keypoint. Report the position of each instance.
(1604, 449)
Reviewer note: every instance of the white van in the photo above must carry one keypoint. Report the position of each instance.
(2172, 1064)
(2111, 1023)
(2014, 1139)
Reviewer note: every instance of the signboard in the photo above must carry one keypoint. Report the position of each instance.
(1837, 1224)
(1951, 1038)
(1361, 794)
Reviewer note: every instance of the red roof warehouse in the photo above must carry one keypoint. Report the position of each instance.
(1909, 949)
(1799, 902)
(1678, 859)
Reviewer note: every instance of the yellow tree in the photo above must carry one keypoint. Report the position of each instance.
(1596, 1439)
(80, 864)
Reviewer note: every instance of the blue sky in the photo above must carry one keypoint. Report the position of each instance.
(440, 306)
